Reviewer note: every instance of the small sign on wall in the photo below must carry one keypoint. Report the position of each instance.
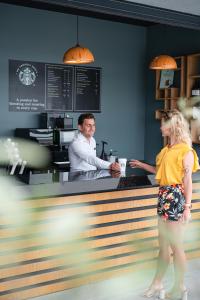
(26, 86)
(39, 87)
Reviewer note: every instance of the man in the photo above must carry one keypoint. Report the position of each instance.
(82, 150)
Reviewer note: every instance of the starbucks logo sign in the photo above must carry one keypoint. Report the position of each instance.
(27, 74)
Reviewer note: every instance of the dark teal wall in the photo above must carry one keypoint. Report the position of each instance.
(120, 49)
(163, 40)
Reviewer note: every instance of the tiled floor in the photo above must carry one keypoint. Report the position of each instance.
(129, 287)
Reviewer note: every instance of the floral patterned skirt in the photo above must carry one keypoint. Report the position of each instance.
(171, 202)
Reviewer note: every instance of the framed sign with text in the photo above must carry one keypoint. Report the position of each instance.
(26, 86)
(59, 87)
(87, 85)
(43, 87)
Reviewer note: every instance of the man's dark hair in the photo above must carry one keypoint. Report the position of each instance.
(82, 117)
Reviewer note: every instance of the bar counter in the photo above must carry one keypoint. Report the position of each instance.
(82, 230)
(54, 182)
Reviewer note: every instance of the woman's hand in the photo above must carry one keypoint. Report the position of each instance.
(186, 215)
(135, 163)
(138, 164)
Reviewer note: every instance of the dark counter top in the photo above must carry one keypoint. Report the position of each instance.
(52, 182)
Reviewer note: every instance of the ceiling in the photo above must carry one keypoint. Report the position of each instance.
(185, 6)
(136, 12)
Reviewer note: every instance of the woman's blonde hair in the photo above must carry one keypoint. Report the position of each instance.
(179, 126)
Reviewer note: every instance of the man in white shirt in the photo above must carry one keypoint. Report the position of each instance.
(82, 150)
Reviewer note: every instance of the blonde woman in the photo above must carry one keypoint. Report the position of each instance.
(174, 166)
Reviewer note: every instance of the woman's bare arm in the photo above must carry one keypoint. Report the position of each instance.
(138, 164)
(188, 163)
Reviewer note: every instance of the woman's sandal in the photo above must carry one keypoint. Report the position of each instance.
(177, 295)
(155, 291)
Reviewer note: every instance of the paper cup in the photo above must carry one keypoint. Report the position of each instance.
(122, 162)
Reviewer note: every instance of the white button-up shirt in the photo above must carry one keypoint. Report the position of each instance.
(82, 154)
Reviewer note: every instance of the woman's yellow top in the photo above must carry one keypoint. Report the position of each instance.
(169, 164)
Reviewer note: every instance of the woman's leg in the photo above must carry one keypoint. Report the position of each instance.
(156, 288)
(164, 257)
(176, 233)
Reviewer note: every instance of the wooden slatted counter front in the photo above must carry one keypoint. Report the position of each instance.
(120, 235)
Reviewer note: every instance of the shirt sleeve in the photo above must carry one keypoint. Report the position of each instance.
(89, 158)
(182, 155)
(196, 161)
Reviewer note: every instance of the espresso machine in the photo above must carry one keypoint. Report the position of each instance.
(61, 141)
(63, 134)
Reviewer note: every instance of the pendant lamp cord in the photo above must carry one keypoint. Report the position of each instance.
(77, 30)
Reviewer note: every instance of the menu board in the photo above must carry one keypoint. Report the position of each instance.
(59, 87)
(87, 89)
(41, 87)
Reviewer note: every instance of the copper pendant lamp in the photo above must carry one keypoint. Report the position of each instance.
(78, 54)
(163, 62)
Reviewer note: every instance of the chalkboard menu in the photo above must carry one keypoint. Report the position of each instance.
(59, 87)
(39, 87)
(87, 89)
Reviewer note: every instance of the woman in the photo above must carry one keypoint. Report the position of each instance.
(174, 166)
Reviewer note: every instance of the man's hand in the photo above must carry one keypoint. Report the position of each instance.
(115, 174)
(115, 166)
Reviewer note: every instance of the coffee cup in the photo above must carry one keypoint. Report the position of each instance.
(112, 158)
(122, 163)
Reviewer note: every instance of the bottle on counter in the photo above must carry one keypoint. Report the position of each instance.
(112, 156)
